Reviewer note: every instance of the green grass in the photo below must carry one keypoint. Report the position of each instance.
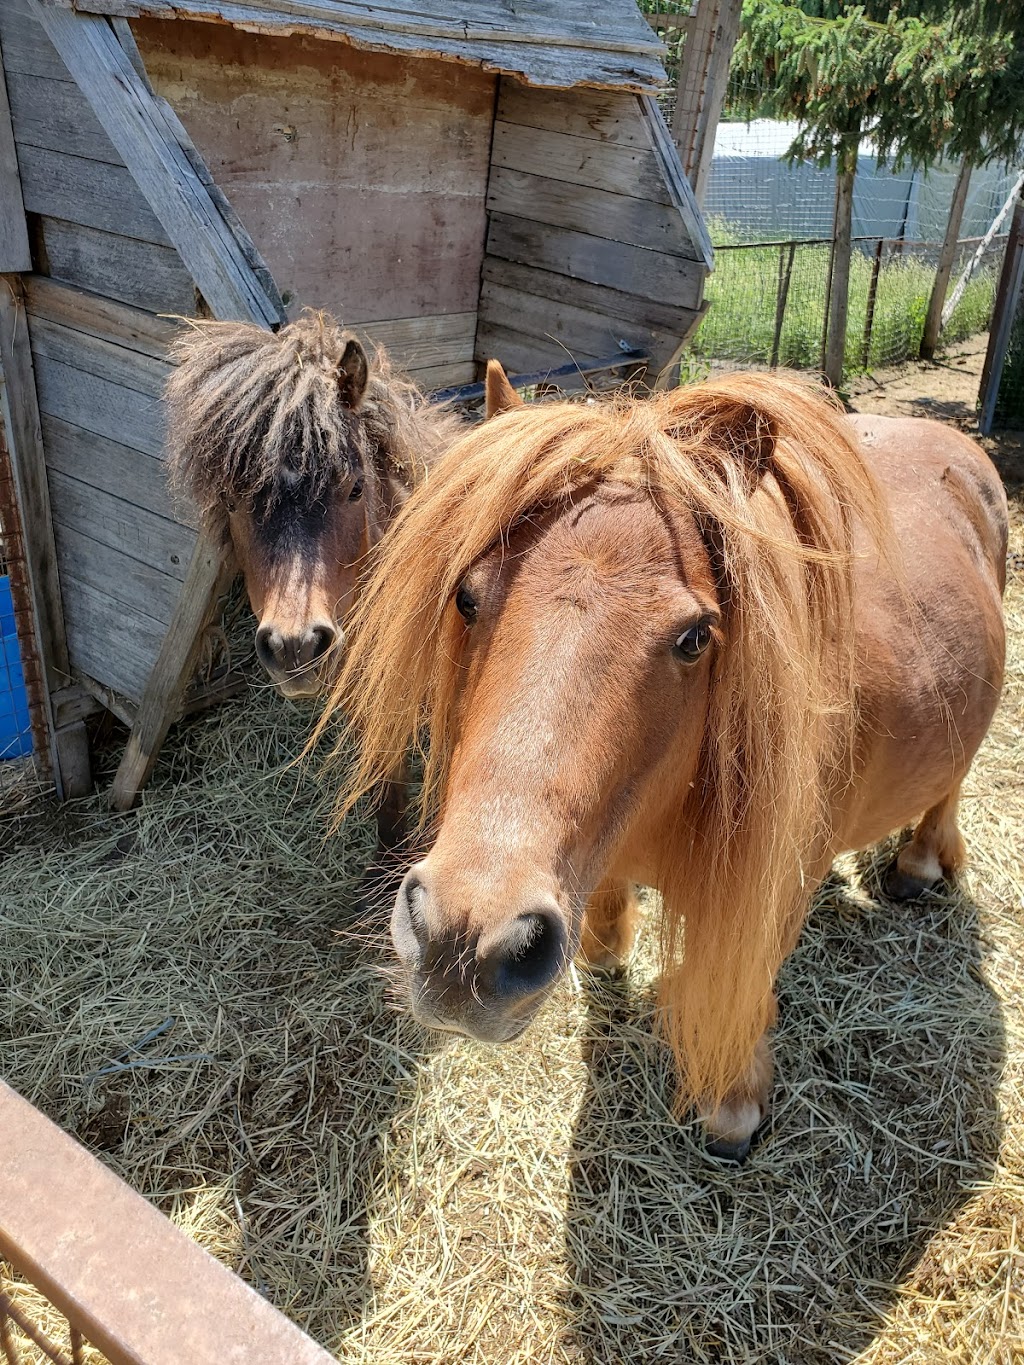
(744, 287)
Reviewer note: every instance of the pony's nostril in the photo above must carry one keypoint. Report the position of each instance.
(270, 648)
(527, 954)
(321, 639)
(408, 927)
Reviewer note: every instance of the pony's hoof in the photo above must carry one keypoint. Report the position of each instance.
(735, 1153)
(732, 1128)
(898, 885)
(612, 970)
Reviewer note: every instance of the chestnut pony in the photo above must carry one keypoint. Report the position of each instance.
(704, 642)
(297, 451)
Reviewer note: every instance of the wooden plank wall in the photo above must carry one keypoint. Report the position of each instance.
(90, 224)
(586, 250)
(360, 176)
(123, 547)
(99, 359)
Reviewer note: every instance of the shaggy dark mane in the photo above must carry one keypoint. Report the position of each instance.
(245, 404)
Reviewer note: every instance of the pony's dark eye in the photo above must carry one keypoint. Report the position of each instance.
(693, 642)
(356, 491)
(466, 604)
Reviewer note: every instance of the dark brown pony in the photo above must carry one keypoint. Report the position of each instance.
(702, 642)
(297, 451)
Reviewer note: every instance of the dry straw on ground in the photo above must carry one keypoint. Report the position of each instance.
(408, 1200)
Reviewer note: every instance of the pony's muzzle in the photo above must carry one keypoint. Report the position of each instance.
(291, 657)
(483, 981)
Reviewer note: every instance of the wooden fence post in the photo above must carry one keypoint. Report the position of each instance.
(1008, 293)
(933, 320)
(839, 301)
(703, 83)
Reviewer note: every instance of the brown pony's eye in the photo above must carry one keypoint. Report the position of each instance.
(466, 604)
(356, 491)
(693, 642)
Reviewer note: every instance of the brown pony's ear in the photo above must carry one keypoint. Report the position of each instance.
(757, 435)
(747, 431)
(353, 373)
(499, 395)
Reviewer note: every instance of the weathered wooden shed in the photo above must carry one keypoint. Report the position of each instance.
(456, 181)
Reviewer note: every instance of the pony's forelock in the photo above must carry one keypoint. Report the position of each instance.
(774, 477)
(243, 402)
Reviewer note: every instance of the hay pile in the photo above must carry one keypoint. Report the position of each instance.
(410, 1200)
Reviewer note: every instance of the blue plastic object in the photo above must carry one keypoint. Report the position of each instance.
(15, 725)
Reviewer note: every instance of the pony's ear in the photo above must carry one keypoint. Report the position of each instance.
(499, 395)
(756, 436)
(353, 373)
(745, 429)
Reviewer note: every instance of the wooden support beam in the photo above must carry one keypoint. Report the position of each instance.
(71, 751)
(933, 320)
(1008, 292)
(208, 578)
(703, 82)
(199, 222)
(680, 189)
(68, 744)
(111, 700)
(140, 133)
(25, 442)
(15, 254)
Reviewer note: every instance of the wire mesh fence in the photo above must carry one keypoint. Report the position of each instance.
(772, 222)
(769, 301)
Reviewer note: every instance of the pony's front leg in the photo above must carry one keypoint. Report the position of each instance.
(731, 1125)
(381, 879)
(936, 851)
(392, 824)
(609, 926)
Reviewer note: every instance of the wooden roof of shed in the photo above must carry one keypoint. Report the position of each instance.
(557, 43)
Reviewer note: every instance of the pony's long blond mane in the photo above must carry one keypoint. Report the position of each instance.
(772, 473)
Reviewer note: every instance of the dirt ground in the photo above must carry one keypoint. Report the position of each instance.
(411, 1200)
(946, 390)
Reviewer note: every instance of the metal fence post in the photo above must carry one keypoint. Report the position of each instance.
(869, 319)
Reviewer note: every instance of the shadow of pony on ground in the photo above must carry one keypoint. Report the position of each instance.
(195, 992)
(889, 1049)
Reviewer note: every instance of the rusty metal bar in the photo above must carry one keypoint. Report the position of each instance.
(9, 1309)
(139, 1289)
(10, 1347)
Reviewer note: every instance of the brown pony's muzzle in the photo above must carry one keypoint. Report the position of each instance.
(294, 659)
(486, 983)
